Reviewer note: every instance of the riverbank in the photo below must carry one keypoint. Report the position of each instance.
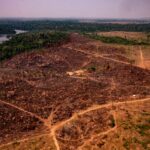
(6, 37)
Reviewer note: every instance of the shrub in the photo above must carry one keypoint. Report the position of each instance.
(92, 69)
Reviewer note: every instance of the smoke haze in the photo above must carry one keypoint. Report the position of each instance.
(75, 8)
(135, 8)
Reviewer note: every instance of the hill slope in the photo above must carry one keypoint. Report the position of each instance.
(74, 96)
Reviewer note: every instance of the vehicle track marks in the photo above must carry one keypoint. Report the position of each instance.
(24, 140)
(141, 59)
(99, 56)
(102, 133)
(27, 112)
(56, 127)
(95, 107)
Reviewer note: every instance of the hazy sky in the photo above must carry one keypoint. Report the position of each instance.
(75, 8)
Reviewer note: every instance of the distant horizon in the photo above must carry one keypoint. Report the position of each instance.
(75, 18)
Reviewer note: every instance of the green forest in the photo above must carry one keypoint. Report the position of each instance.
(29, 41)
(8, 26)
(44, 33)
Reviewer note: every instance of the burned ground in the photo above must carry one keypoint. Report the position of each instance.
(15, 124)
(132, 130)
(81, 128)
(39, 83)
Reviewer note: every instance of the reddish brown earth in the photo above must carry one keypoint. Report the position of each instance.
(37, 94)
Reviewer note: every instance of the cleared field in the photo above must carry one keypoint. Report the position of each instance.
(43, 141)
(127, 35)
(132, 130)
(68, 96)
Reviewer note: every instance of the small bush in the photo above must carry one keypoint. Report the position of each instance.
(92, 69)
(112, 123)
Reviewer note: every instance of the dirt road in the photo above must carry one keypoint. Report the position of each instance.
(75, 116)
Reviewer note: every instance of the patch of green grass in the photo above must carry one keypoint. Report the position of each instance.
(145, 143)
(143, 128)
(117, 40)
(126, 144)
(134, 140)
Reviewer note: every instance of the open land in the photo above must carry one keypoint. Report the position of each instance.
(81, 95)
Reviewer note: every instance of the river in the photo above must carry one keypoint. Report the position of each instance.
(4, 37)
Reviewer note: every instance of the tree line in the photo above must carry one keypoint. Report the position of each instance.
(29, 41)
(8, 27)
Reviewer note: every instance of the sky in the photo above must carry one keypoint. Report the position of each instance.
(75, 8)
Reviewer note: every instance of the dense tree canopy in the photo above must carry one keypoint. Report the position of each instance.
(32, 40)
(8, 26)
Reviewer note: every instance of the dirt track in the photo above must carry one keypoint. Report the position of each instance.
(53, 128)
(21, 109)
(56, 127)
(102, 133)
(59, 125)
(141, 59)
(98, 55)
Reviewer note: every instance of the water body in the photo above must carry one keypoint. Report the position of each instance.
(4, 37)
(20, 31)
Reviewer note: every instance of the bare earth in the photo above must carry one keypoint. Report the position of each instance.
(83, 95)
